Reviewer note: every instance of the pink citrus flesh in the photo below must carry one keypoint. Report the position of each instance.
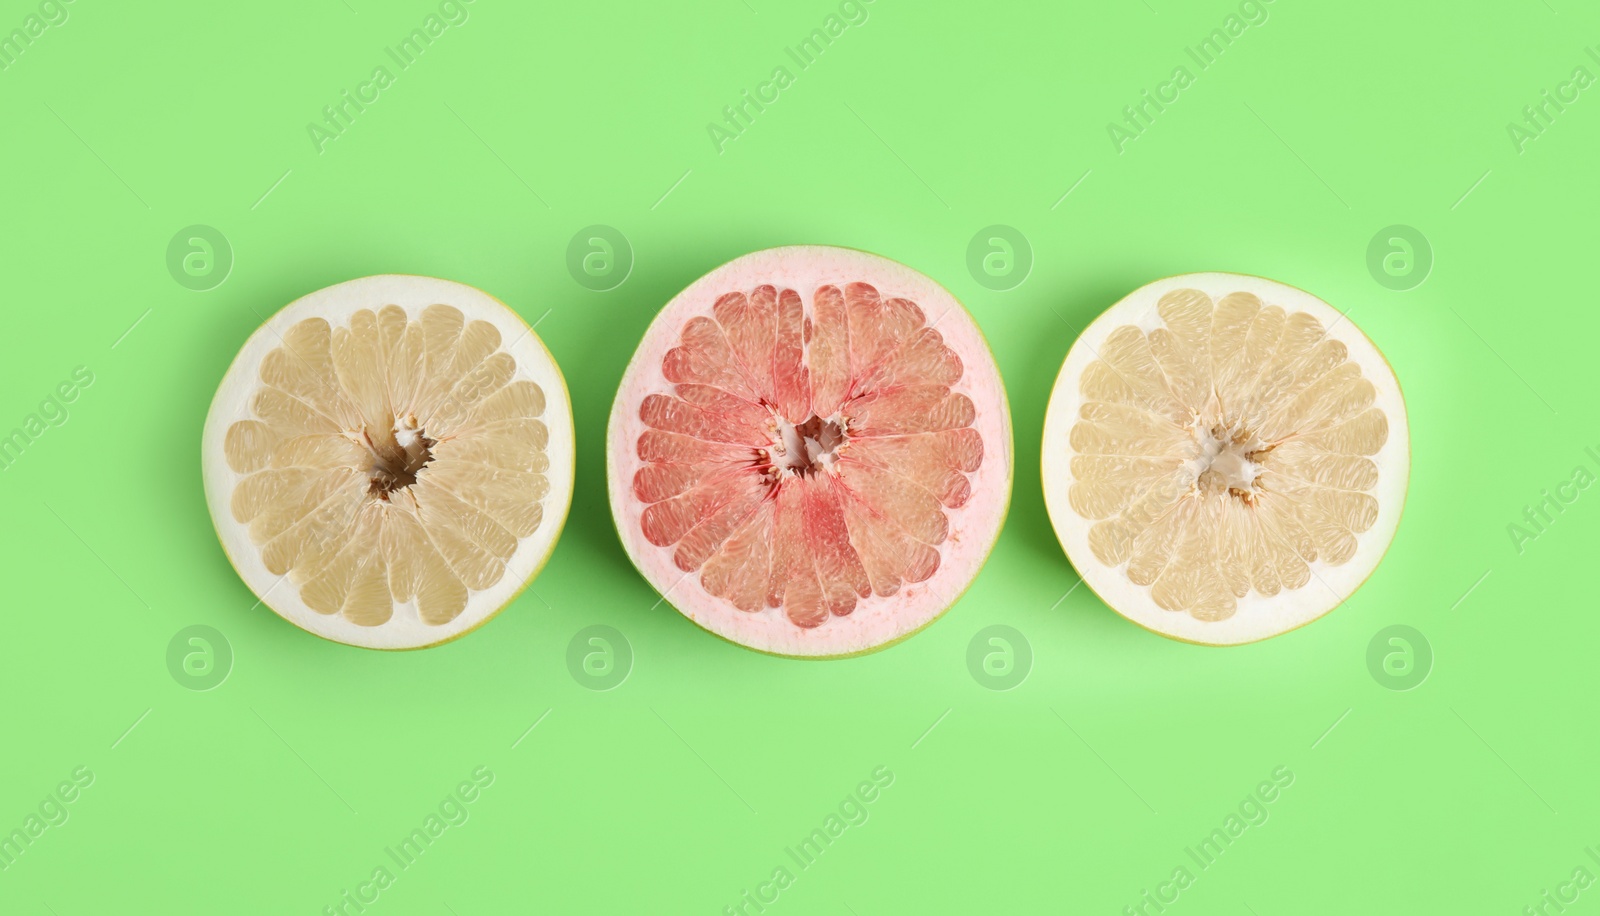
(810, 452)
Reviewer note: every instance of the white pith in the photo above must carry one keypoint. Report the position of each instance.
(1230, 461)
(1224, 464)
(792, 451)
(336, 304)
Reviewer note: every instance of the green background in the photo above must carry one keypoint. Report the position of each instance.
(681, 789)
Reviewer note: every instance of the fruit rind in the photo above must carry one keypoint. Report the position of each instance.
(1330, 585)
(335, 304)
(877, 622)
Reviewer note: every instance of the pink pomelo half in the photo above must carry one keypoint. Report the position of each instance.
(810, 453)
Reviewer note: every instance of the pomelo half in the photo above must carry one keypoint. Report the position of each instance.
(1225, 457)
(389, 461)
(810, 453)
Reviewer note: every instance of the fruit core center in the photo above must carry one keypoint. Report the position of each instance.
(397, 456)
(1225, 462)
(808, 447)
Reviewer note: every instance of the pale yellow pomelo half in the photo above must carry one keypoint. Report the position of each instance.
(389, 461)
(1225, 457)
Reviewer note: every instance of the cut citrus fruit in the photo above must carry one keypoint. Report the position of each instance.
(810, 453)
(388, 461)
(1225, 457)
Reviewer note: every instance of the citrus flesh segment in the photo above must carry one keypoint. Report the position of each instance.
(1225, 457)
(810, 452)
(388, 461)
